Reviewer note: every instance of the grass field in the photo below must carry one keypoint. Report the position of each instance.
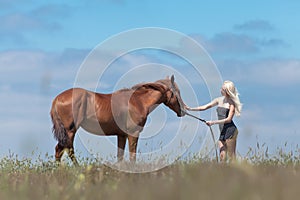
(258, 176)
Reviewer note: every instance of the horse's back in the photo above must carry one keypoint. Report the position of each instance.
(69, 94)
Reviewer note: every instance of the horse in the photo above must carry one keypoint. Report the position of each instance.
(122, 113)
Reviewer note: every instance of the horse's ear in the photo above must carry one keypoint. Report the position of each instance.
(172, 79)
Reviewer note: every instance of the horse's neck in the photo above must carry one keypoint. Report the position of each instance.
(151, 99)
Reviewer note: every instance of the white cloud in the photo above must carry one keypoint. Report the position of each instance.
(25, 123)
(255, 25)
(17, 61)
(274, 72)
(39, 69)
(17, 23)
(231, 43)
(267, 72)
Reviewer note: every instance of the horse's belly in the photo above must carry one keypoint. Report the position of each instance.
(95, 128)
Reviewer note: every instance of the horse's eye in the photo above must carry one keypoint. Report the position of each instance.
(172, 94)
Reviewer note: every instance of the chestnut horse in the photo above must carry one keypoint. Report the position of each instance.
(122, 113)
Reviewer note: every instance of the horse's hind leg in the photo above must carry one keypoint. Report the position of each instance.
(70, 148)
(72, 156)
(59, 151)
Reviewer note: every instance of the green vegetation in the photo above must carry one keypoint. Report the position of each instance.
(257, 176)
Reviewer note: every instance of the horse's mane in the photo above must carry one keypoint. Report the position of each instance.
(124, 90)
(160, 85)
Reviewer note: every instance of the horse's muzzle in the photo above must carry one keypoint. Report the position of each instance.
(181, 114)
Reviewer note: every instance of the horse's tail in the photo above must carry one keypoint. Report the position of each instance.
(58, 129)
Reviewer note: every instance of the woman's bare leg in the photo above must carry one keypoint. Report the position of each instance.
(223, 150)
(231, 146)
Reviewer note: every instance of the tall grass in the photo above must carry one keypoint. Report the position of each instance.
(256, 176)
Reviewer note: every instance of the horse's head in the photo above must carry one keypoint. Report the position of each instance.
(173, 99)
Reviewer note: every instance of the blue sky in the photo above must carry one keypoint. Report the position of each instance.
(253, 43)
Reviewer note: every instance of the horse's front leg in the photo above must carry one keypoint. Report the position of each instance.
(132, 143)
(121, 147)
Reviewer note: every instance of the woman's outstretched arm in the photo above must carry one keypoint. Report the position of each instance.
(203, 107)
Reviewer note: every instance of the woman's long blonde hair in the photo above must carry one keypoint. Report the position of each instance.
(233, 94)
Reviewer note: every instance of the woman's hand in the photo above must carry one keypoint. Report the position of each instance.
(209, 123)
(187, 107)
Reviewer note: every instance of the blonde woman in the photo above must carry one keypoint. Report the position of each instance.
(228, 105)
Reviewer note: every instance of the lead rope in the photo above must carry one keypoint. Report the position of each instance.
(211, 131)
